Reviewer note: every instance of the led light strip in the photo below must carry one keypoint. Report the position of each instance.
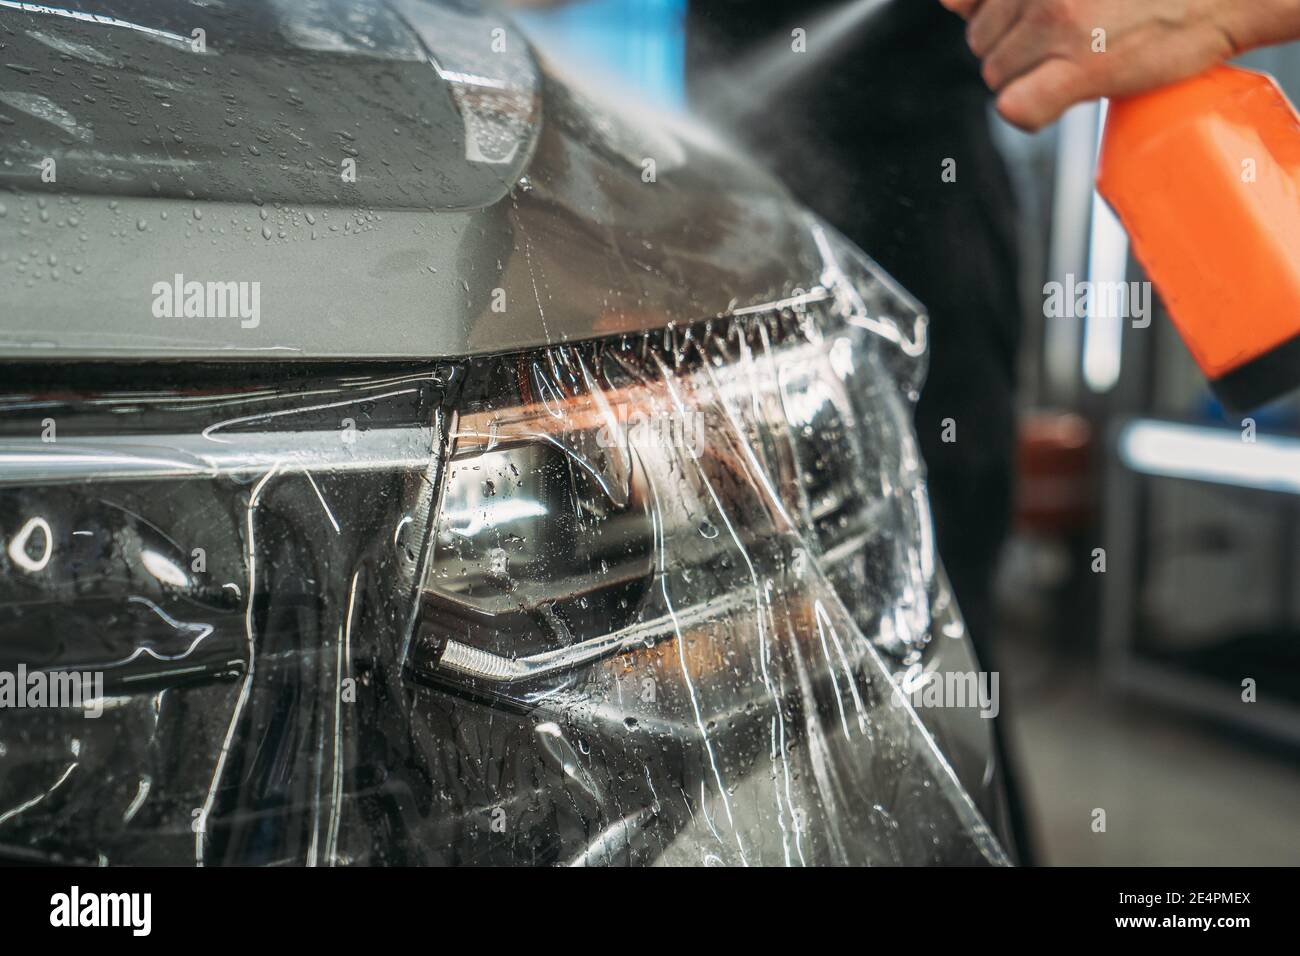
(1216, 455)
(483, 665)
(503, 670)
(118, 457)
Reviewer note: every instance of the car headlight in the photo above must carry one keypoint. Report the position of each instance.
(631, 600)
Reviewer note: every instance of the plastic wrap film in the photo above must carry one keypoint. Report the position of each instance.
(636, 600)
(641, 572)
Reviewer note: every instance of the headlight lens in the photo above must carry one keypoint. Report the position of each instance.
(634, 600)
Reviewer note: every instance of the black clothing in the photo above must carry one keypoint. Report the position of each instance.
(860, 132)
(861, 136)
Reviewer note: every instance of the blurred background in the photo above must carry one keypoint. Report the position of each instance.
(1145, 615)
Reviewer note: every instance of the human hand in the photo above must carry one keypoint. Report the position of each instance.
(1043, 56)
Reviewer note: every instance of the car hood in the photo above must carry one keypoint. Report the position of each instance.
(397, 180)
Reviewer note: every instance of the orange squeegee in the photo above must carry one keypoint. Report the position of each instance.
(1205, 176)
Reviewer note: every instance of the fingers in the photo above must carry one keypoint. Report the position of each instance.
(1042, 56)
(1028, 43)
(1035, 95)
(1040, 96)
(990, 23)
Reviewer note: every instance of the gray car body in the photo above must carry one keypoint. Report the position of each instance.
(223, 165)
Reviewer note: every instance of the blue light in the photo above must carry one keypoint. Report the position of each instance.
(642, 42)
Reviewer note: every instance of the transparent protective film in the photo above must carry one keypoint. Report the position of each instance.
(196, 587)
(634, 555)
(630, 601)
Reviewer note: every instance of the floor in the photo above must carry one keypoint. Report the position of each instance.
(1174, 791)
